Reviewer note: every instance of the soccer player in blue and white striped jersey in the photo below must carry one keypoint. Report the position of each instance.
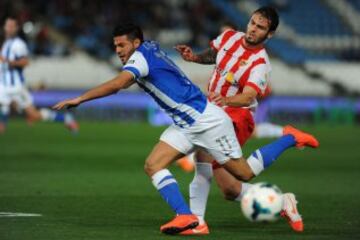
(197, 122)
(14, 58)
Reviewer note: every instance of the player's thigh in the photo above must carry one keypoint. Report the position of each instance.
(5, 102)
(25, 101)
(32, 112)
(160, 157)
(177, 139)
(239, 168)
(228, 184)
(218, 138)
(173, 145)
(243, 123)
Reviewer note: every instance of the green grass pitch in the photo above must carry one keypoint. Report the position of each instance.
(92, 186)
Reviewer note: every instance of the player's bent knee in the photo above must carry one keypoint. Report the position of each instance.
(244, 176)
(247, 176)
(150, 169)
(239, 171)
(230, 194)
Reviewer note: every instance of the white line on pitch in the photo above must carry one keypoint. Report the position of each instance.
(14, 214)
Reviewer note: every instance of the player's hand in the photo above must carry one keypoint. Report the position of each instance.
(2, 59)
(217, 99)
(69, 103)
(186, 52)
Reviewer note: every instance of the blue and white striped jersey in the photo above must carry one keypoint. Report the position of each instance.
(166, 84)
(12, 49)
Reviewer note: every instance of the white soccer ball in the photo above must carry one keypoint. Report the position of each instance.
(263, 202)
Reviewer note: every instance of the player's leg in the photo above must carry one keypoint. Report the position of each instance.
(66, 118)
(221, 142)
(173, 144)
(264, 157)
(268, 130)
(229, 185)
(234, 190)
(219, 139)
(25, 101)
(4, 110)
(244, 126)
(32, 114)
(199, 187)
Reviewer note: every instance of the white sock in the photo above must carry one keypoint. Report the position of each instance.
(244, 188)
(268, 130)
(53, 116)
(256, 163)
(47, 114)
(199, 190)
(68, 118)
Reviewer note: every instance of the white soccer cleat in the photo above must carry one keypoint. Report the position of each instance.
(291, 213)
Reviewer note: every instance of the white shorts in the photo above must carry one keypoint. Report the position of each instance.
(20, 96)
(213, 131)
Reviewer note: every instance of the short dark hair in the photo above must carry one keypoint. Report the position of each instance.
(131, 30)
(13, 18)
(271, 14)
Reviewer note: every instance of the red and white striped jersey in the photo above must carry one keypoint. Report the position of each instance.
(238, 66)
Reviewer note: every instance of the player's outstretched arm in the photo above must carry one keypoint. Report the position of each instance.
(206, 57)
(122, 81)
(22, 62)
(243, 99)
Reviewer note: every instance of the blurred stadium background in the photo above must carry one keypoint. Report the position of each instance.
(315, 56)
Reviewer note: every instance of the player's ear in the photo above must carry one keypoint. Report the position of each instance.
(137, 43)
(270, 34)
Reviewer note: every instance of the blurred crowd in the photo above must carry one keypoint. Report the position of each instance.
(89, 24)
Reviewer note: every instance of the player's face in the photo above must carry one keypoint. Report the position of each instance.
(10, 28)
(125, 47)
(257, 29)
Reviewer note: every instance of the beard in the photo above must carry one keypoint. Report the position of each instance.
(256, 41)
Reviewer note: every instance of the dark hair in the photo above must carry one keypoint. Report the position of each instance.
(131, 30)
(271, 14)
(13, 18)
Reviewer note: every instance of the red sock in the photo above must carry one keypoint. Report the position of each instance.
(215, 165)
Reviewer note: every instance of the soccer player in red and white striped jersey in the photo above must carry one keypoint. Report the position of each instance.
(241, 76)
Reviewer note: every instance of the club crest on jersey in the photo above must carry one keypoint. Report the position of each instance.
(230, 77)
(243, 62)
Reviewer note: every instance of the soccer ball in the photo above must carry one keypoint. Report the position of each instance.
(263, 202)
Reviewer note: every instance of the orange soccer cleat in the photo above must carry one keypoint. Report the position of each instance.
(201, 229)
(291, 213)
(186, 164)
(180, 223)
(302, 138)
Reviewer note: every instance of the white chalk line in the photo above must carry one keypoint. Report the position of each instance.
(19, 214)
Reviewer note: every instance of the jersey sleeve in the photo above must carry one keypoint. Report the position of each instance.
(137, 65)
(259, 78)
(20, 49)
(217, 43)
